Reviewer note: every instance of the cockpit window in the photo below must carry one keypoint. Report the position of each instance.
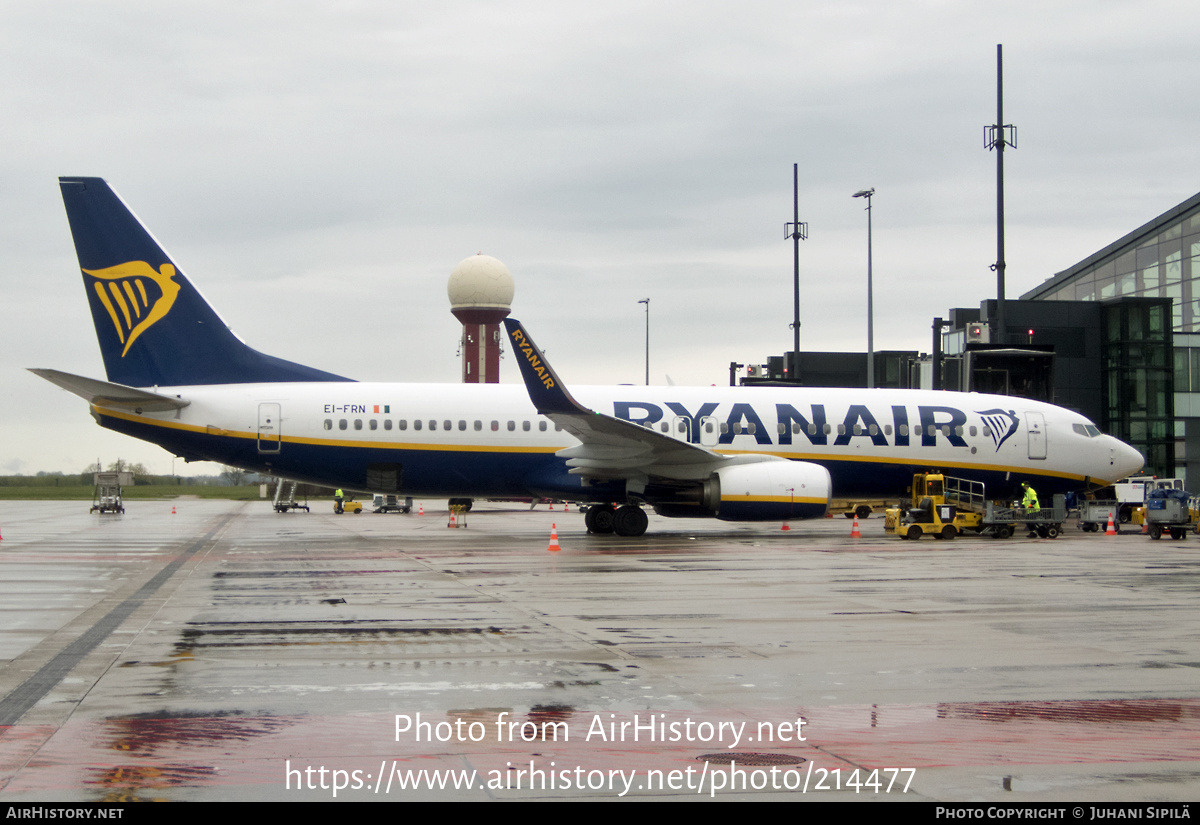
(1089, 430)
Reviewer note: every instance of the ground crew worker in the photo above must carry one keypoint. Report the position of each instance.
(337, 500)
(1030, 502)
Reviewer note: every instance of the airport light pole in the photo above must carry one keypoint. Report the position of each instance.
(797, 231)
(647, 303)
(867, 193)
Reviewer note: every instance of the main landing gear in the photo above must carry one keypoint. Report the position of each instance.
(627, 520)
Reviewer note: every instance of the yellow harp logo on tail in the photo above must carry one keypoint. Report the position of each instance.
(122, 289)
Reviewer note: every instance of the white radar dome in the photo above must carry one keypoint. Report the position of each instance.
(480, 282)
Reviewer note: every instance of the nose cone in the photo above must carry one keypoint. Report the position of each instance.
(1125, 460)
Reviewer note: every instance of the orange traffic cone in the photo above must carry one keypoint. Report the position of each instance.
(1111, 530)
(552, 507)
(554, 546)
(854, 533)
(172, 509)
(420, 509)
(566, 506)
(785, 526)
(452, 522)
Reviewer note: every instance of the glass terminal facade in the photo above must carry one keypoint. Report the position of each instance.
(1151, 362)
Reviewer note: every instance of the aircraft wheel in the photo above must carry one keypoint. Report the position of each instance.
(600, 519)
(630, 521)
(914, 533)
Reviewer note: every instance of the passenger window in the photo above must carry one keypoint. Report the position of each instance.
(812, 429)
(525, 426)
(663, 426)
(841, 429)
(402, 424)
(958, 430)
(904, 430)
(329, 423)
(433, 424)
(973, 431)
(462, 425)
(416, 423)
(387, 423)
(987, 432)
(358, 423)
(512, 426)
(858, 429)
(887, 429)
(478, 425)
(557, 427)
(827, 429)
(781, 428)
(874, 429)
(542, 426)
(495, 426)
(374, 424)
(447, 425)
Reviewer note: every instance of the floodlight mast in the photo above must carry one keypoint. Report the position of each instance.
(797, 231)
(867, 193)
(997, 136)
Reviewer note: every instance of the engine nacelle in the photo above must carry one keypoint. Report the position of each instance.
(769, 491)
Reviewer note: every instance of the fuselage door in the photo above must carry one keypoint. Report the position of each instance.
(269, 435)
(710, 431)
(1035, 424)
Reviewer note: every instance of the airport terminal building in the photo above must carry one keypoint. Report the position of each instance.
(1145, 290)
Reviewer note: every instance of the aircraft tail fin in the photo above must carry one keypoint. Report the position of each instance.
(154, 327)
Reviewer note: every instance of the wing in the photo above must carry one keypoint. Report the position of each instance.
(610, 448)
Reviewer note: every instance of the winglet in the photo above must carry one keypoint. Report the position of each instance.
(546, 389)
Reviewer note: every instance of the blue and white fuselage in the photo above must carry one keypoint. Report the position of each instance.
(178, 377)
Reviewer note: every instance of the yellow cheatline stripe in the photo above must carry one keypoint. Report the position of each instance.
(775, 499)
(112, 313)
(326, 442)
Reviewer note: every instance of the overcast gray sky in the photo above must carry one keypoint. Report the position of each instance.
(318, 169)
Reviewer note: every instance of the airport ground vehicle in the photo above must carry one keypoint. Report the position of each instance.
(107, 497)
(347, 506)
(1168, 511)
(285, 497)
(1131, 493)
(1094, 515)
(386, 503)
(179, 377)
(945, 507)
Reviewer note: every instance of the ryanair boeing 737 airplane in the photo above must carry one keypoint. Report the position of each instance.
(180, 378)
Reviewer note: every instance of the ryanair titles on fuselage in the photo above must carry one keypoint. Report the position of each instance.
(814, 425)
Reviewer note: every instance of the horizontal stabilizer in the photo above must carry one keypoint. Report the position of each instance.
(116, 396)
